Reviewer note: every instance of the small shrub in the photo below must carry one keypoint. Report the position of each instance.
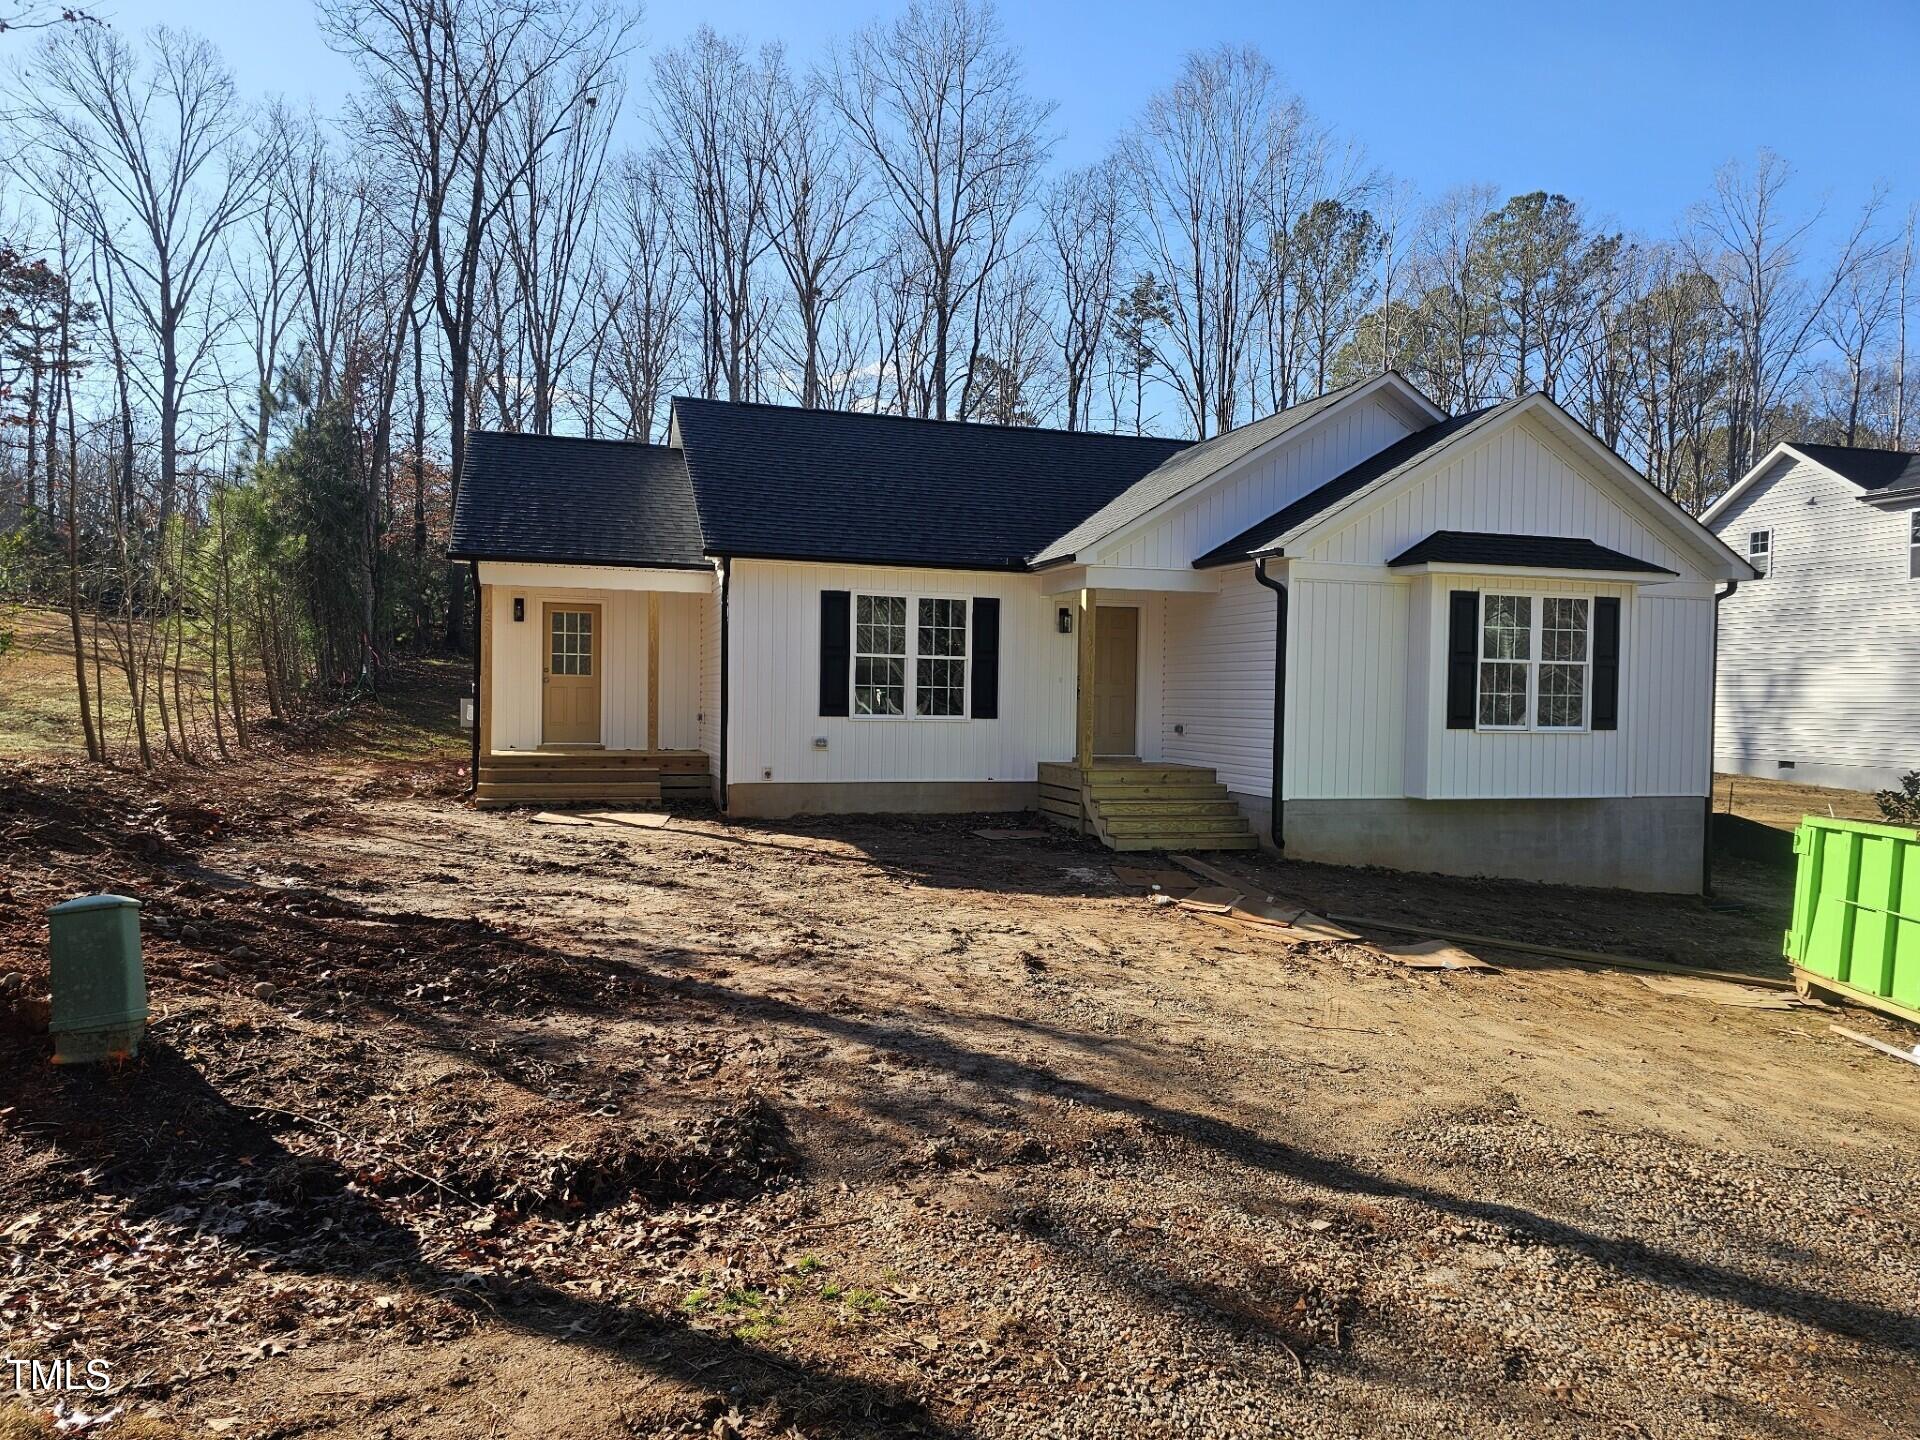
(1902, 806)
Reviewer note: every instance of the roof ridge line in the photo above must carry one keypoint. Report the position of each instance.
(930, 420)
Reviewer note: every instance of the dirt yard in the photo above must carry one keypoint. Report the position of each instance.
(451, 1125)
(1782, 803)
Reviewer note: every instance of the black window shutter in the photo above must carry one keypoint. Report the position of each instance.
(1606, 663)
(836, 650)
(1463, 658)
(986, 659)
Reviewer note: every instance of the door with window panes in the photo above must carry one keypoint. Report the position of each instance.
(570, 675)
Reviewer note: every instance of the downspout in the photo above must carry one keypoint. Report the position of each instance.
(1713, 721)
(1279, 696)
(726, 601)
(473, 770)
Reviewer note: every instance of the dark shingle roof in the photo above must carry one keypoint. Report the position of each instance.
(1869, 469)
(1187, 469)
(775, 482)
(1539, 552)
(558, 500)
(1376, 469)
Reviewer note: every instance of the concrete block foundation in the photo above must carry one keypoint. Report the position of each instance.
(1650, 843)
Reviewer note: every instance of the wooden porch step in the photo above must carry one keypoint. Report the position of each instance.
(536, 794)
(1168, 806)
(1118, 793)
(593, 759)
(579, 775)
(1172, 824)
(1132, 843)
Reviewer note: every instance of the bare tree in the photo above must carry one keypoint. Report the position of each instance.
(157, 167)
(817, 207)
(1745, 239)
(644, 294)
(551, 219)
(1856, 321)
(443, 78)
(1197, 165)
(1082, 212)
(715, 110)
(937, 100)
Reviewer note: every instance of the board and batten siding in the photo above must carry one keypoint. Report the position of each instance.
(1293, 466)
(1517, 481)
(774, 665)
(1820, 660)
(518, 656)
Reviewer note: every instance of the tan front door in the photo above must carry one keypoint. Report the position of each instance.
(1116, 679)
(570, 676)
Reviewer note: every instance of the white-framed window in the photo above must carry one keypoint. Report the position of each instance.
(1760, 551)
(910, 657)
(1536, 661)
(1913, 546)
(879, 654)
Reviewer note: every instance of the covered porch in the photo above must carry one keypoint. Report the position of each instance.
(592, 684)
(1119, 785)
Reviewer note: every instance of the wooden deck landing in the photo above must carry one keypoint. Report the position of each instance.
(592, 776)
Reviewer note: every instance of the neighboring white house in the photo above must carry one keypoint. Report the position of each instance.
(1496, 657)
(1819, 677)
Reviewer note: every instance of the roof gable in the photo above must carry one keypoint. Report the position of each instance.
(777, 482)
(1878, 474)
(1267, 536)
(558, 500)
(1208, 461)
(1369, 486)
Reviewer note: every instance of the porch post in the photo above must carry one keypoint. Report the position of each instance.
(483, 702)
(1083, 710)
(653, 670)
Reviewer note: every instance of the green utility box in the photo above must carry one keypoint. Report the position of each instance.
(99, 984)
(1856, 914)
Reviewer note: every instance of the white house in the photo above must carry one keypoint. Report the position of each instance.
(1820, 658)
(1494, 638)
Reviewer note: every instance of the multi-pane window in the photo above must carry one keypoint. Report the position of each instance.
(1562, 700)
(1760, 550)
(880, 655)
(571, 647)
(1506, 654)
(940, 659)
(1913, 546)
(1535, 653)
(917, 669)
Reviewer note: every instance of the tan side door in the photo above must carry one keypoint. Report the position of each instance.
(570, 675)
(1116, 680)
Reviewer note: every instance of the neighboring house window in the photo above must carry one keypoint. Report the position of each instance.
(902, 669)
(1760, 550)
(1535, 656)
(1913, 546)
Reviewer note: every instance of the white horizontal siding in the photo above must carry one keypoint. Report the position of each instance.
(1820, 661)
(1294, 466)
(1217, 660)
(1513, 483)
(774, 665)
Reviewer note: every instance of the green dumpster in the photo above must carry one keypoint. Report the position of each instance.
(1856, 914)
(99, 985)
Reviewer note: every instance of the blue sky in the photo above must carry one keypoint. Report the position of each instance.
(1626, 106)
